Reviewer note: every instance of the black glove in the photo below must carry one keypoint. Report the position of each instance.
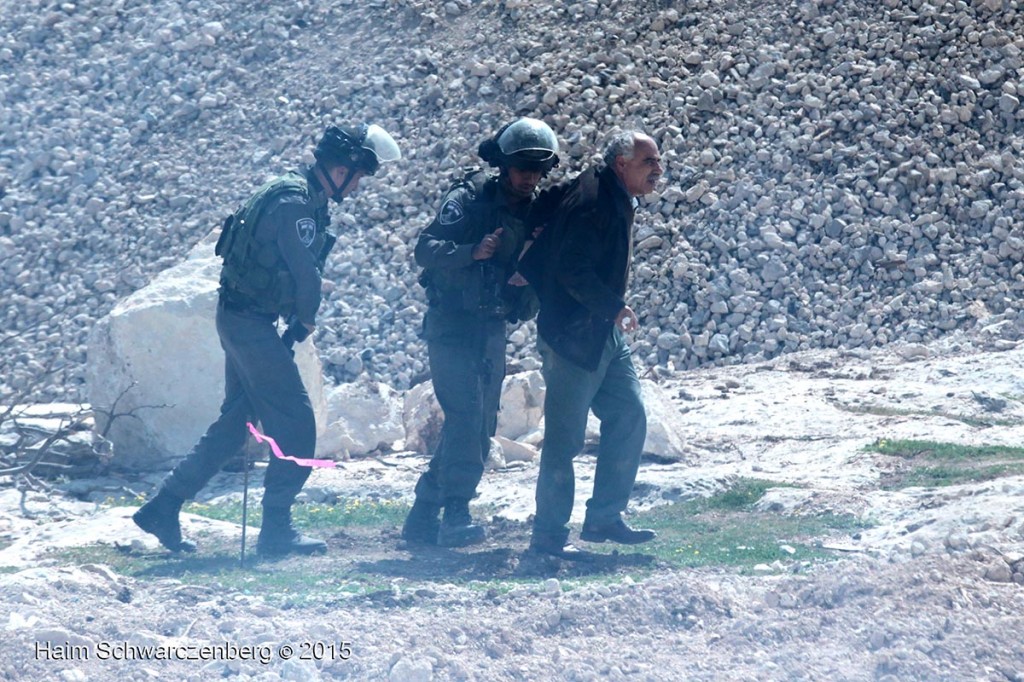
(295, 333)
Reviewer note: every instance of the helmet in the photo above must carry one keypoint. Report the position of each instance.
(526, 143)
(362, 147)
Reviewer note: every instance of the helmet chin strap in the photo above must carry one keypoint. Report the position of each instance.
(337, 193)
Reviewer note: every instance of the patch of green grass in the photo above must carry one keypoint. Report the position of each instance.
(723, 530)
(217, 566)
(345, 512)
(743, 494)
(934, 464)
(726, 529)
(928, 477)
(883, 411)
(947, 451)
(353, 512)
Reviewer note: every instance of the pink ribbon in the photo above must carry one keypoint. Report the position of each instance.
(276, 449)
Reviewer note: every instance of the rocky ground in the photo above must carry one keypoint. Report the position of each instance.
(835, 255)
(931, 589)
(837, 174)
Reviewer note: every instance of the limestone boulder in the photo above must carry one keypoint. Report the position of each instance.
(521, 419)
(155, 370)
(520, 413)
(664, 439)
(522, 404)
(423, 419)
(361, 418)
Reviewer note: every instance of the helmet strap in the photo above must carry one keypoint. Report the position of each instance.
(336, 193)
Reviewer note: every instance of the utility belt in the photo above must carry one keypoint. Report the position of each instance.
(237, 302)
(455, 302)
(477, 290)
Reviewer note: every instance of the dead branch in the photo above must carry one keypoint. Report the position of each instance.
(112, 414)
(43, 448)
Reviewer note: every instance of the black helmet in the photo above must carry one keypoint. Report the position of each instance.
(526, 143)
(362, 147)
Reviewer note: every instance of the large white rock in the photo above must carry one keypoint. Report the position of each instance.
(361, 418)
(522, 406)
(423, 419)
(157, 356)
(663, 423)
(521, 417)
(663, 439)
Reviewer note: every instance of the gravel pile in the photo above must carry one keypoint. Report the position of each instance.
(838, 174)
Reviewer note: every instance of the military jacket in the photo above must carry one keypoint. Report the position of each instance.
(275, 247)
(463, 292)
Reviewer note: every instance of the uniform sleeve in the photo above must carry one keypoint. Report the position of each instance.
(440, 244)
(545, 206)
(296, 230)
(577, 262)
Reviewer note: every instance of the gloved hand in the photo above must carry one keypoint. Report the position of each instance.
(295, 333)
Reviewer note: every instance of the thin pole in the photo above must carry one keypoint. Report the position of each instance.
(245, 501)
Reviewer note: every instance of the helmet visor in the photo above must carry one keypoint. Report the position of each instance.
(381, 145)
(532, 160)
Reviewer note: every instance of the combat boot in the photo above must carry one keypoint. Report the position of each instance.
(159, 517)
(457, 527)
(278, 537)
(422, 525)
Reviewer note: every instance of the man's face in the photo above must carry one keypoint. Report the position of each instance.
(641, 173)
(338, 175)
(522, 182)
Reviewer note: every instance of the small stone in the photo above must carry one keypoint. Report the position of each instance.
(999, 573)
(408, 669)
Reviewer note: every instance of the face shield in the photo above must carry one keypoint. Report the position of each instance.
(378, 147)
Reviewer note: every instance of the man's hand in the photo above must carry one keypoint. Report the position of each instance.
(297, 331)
(488, 245)
(626, 320)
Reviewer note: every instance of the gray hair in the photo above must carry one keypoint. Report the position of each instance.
(620, 144)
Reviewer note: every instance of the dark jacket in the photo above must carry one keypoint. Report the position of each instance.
(275, 264)
(464, 293)
(585, 267)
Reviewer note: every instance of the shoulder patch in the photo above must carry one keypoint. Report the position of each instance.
(306, 228)
(451, 212)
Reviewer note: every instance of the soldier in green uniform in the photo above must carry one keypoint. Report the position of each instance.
(274, 249)
(468, 255)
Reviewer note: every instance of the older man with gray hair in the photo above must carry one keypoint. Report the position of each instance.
(580, 276)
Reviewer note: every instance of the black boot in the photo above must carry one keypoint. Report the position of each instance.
(421, 525)
(615, 531)
(457, 527)
(278, 537)
(159, 517)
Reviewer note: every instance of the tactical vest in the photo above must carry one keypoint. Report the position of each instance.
(479, 288)
(255, 269)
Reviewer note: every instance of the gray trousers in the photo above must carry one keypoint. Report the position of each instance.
(467, 372)
(261, 382)
(613, 393)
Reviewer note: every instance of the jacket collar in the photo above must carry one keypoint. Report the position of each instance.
(624, 203)
(317, 192)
